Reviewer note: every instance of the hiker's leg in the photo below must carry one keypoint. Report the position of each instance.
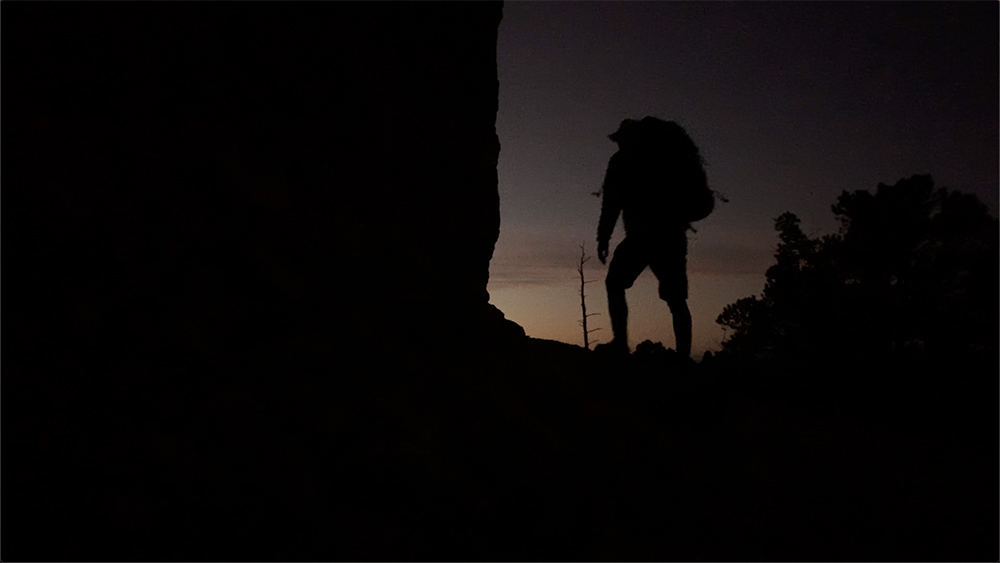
(618, 309)
(682, 326)
(670, 266)
(626, 265)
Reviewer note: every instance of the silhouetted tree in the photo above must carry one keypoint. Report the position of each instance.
(650, 349)
(583, 300)
(911, 274)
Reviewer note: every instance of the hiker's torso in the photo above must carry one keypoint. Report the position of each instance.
(648, 188)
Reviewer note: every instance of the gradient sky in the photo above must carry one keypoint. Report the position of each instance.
(790, 103)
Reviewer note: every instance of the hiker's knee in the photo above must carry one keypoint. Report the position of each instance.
(615, 284)
(674, 296)
(678, 305)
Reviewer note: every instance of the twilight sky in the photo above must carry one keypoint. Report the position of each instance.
(790, 103)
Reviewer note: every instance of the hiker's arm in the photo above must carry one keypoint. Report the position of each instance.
(611, 206)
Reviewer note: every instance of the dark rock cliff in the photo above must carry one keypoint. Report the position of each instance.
(250, 178)
(220, 213)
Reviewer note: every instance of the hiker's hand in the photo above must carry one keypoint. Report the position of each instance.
(602, 252)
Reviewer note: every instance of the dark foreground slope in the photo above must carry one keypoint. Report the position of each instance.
(528, 450)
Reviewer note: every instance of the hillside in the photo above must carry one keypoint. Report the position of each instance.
(529, 450)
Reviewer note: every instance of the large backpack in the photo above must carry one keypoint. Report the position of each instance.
(686, 183)
(696, 199)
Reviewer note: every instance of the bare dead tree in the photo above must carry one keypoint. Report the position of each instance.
(583, 300)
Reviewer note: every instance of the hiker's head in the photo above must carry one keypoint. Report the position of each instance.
(627, 133)
(652, 134)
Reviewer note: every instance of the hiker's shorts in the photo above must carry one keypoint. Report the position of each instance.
(665, 255)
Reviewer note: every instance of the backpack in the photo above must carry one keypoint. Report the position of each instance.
(688, 189)
(697, 201)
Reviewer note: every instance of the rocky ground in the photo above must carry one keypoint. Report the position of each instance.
(530, 449)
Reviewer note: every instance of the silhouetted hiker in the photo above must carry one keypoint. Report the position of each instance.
(657, 181)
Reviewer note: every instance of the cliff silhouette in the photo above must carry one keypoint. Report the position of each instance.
(247, 319)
